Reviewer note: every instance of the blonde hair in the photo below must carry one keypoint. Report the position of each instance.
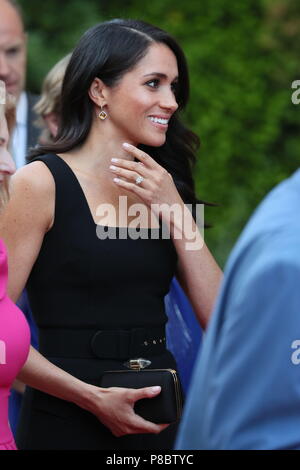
(4, 192)
(8, 112)
(49, 101)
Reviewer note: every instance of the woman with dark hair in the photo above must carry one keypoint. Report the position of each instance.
(97, 290)
(15, 334)
(183, 332)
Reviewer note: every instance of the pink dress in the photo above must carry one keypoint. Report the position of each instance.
(14, 348)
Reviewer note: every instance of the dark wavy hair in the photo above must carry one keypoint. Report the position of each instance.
(107, 51)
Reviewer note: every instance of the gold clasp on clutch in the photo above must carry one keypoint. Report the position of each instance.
(137, 364)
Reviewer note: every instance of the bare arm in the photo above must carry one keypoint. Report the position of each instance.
(25, 221)
(197, 270)
(112, 406)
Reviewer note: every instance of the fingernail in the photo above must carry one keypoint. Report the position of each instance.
(155, 389)
(117, 180)
(126, 145)
(114, 160)
(113, 167)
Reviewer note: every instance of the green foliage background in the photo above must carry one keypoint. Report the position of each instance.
(243, 58)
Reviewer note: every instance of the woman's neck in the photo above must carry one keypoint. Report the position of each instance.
(95, 154)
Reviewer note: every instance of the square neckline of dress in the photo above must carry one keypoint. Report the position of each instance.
(88, 206)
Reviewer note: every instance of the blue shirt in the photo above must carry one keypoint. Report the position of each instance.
(245, 390)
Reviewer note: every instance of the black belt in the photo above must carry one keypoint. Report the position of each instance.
(102, 344)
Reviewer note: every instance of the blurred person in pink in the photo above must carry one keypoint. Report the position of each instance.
(14, 330)
(23, 135)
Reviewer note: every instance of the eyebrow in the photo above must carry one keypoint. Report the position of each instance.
(159, 74)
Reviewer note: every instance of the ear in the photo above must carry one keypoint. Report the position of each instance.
(52, 123)
(97, 92)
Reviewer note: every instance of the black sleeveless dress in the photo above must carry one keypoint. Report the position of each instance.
(97, 303)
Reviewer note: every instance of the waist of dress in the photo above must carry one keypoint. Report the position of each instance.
(103, 344)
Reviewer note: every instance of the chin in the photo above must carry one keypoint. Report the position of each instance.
(154, 142)
(14, 92)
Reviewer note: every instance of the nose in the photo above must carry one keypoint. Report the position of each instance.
(7, 165)
(168, 101)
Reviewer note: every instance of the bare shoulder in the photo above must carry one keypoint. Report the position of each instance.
(32, 191)
(35, 177)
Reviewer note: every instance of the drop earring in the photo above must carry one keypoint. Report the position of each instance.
(102, 115)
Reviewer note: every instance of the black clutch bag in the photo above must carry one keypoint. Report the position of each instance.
(165, 407)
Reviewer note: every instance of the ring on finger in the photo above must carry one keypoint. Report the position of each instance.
(139, 179)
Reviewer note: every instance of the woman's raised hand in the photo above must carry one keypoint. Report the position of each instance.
(145, 178)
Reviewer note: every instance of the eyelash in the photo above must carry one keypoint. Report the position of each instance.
(13, 51)
(174, 86)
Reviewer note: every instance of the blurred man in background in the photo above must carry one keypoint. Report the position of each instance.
(13, 50)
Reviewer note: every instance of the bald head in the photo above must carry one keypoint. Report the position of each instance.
(12, 48)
